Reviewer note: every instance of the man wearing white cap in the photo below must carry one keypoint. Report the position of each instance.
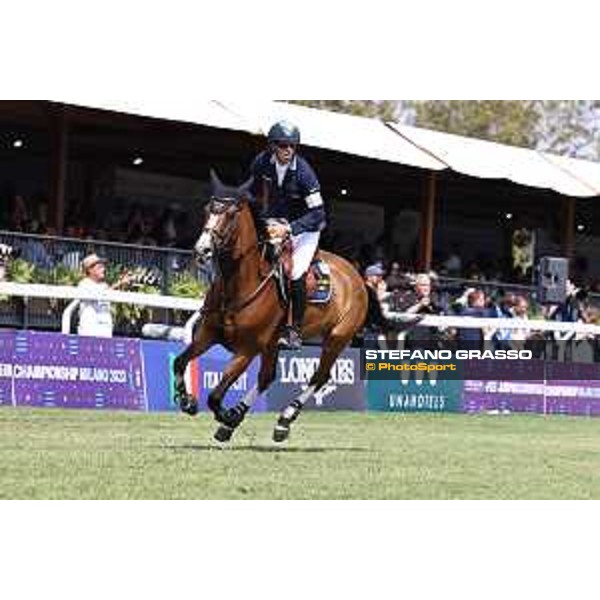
(95, 317)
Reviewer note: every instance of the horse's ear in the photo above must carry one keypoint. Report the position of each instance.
(215, 183)
(245, 190)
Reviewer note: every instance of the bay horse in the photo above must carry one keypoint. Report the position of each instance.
(243, 312)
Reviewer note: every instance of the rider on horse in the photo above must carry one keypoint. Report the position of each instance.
(288, 190)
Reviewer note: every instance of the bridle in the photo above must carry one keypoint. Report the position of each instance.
(220, 240)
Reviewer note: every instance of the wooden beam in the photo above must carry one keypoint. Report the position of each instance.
(427, 223)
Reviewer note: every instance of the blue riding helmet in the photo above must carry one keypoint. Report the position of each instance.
(284, 131)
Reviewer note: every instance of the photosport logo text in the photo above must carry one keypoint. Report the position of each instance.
(447, 364)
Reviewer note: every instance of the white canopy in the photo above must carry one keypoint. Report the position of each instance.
(199, 112)
(489, 160)
(371, 138)
(360, 136)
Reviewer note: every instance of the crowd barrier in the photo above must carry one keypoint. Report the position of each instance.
(69, 371)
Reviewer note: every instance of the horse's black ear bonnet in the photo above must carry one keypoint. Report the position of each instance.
(225, 193)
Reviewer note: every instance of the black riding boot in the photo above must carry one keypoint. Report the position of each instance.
(292, 339)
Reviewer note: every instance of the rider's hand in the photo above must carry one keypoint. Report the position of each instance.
(278, 230)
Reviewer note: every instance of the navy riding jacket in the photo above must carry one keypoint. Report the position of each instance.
(297, 199)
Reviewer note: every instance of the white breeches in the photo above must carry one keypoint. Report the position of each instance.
(304, 246)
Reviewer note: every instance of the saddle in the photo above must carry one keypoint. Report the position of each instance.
(318, 281)
(318, 276)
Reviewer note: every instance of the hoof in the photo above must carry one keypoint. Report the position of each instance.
(187, 404)
(287, 417)
(281, 433)
(224, 434)
(219, 416)
(233, 417)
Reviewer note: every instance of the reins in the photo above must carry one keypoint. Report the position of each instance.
(224, 309)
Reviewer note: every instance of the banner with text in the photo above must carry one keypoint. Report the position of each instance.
(547, 388)
(203, 375)
(414, 392)
(344, 391)
(68, 371)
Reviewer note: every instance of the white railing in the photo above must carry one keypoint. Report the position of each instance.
(489, 326)
(76, 294)
(494, 324)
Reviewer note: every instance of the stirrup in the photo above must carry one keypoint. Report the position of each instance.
(290, 339)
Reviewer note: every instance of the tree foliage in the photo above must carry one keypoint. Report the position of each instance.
(570, 127)
(506, 121)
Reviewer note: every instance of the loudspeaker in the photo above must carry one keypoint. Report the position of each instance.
(552, 275)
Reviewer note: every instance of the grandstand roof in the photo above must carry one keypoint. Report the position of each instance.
(360, 136)
(351, 134)
(199, 112)
(371, 138)
(490, 160)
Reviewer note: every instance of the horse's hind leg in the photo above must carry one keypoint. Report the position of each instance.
(186, 401)
(233, 417)
(332, 348)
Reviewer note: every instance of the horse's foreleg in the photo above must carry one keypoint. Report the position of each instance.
(234, 369)
(233, 417)
(186, 401)
(332, 348)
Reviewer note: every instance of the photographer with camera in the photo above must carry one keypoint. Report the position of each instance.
(578, 347)
(95, 316)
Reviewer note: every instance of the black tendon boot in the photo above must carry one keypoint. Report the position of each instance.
(292, 340)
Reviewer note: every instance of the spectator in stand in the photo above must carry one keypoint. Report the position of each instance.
(396, 279)
(167, 229)
(520, 311)
(418, 301)
(502, 308)
(376, 290)
(146, 236)
(134, 222)
(453, 264)
(474, 272)
(572, 309)
(520, 307)
(39, 251)
(470, 338)
(19, 215)
(95, 317)
(374, 279)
